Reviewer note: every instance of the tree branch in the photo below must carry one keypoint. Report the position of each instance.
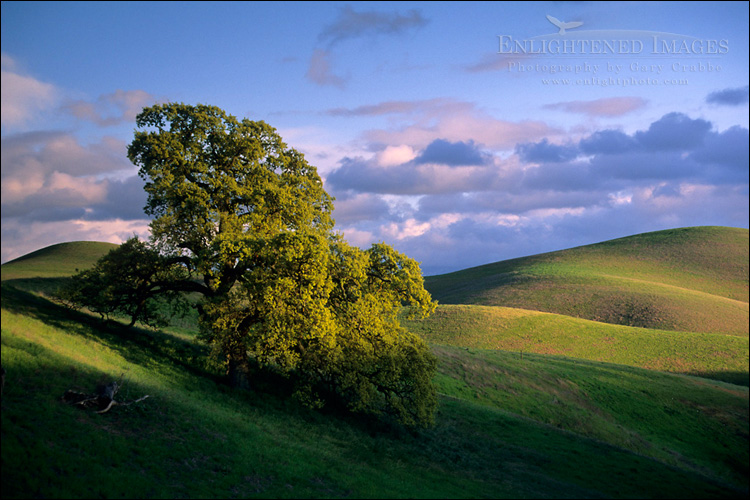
(103, 399)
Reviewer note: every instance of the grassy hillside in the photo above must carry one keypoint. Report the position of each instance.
(57, 260)
(537, 427)
(532, 404)
(716, 356)
(691, 279)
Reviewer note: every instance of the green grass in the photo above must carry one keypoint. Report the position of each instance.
(716, 356)
(195, 438)
(659, 415)
(692, 279)
(532, 405)
(56, 261)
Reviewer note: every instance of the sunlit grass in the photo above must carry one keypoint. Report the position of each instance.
(659, 415)
(195, 438)
(721, 357)
(532, 405)
(692, 279)
(56, 261)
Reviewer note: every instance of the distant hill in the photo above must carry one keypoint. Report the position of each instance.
(690, 279)
(710, 355)
(56, 261)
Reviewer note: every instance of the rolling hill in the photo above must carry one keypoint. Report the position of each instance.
(533, 403)
(711, 355)
(56, 261)
(689, 279)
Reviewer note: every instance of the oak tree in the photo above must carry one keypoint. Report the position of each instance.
(243, 220)
(131, 280)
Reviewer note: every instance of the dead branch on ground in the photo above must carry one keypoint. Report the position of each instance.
(102, 400)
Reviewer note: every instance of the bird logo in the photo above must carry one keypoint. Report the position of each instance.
(563, 26)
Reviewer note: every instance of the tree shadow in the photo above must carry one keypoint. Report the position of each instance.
(134, 344)
(144, 346)
(732, 377)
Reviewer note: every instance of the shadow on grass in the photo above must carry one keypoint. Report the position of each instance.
(736, 378)
(144, 346)
(473, 451)
(135, 344)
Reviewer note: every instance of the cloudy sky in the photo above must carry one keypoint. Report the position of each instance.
(460, 133)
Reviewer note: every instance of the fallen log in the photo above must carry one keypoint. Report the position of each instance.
(101, 401)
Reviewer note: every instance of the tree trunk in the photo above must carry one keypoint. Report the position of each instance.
(239, 374)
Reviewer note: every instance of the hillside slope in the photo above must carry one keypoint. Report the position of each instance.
(689, 279)
(55, 261)
(509, 424)
(710, 355)
(531, 427)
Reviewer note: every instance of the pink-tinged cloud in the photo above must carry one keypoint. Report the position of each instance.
(111, 109)
(49, 152)
(418, 123)
(395, 155)
(493, 133)
(612, 106)
(454, 211)
(51, 175)
(22, 96)
(359, 207)
(22, 236)
(320, 71)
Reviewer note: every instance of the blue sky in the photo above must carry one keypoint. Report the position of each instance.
(433, 135)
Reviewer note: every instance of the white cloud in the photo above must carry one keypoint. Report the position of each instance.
(453, 215)
(22, 97)
(621, 198)
(359, 238)
(456, 121)
(17, 188)
(395, 155)
(42, 169)
(407, 229)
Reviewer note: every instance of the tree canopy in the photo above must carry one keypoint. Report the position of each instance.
(243, 220)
